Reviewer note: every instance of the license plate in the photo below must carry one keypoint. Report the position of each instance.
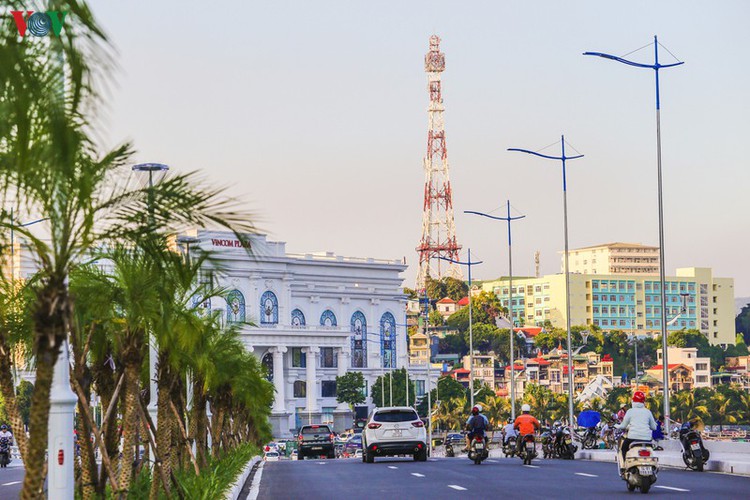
(316, 447)
(645, 470)
(567, 441)
(695, 446)
(397, 433)
(479, 446)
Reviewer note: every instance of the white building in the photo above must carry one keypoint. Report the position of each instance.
(688, 356)
(317, 316)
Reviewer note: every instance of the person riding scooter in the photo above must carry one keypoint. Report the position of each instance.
(525, 424)
(638, 422)
(476, 425)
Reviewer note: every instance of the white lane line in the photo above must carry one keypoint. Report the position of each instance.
(417, 474)
(433, 460)
(11, 483)
(585, 475)
(492, 461)
(672, 488)
(321, 463)
(456, 487)
(532, 466)
(392, 467)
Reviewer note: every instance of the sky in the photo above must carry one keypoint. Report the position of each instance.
(314, 114)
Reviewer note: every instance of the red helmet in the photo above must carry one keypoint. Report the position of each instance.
(639, 397)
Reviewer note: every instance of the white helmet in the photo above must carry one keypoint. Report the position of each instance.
(526, 407)
(478, 408)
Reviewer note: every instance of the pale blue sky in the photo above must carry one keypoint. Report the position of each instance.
(315, 114)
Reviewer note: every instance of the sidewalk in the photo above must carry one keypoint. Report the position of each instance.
(731, 458)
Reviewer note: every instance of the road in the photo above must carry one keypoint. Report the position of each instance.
(11, 480)
(447, 477)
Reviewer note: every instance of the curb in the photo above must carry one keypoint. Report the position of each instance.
(726, 466)
(234, 491)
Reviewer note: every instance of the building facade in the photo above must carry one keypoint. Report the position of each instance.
(315, 317)
(631, 303)
(688, 356)
(614, 258)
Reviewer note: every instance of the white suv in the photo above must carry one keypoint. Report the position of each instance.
(392, 431)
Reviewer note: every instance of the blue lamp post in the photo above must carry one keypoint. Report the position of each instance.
(507, 219)
(468, 263)
(656, 66)
(563, 159)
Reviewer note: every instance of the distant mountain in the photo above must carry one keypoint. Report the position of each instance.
(739, 303)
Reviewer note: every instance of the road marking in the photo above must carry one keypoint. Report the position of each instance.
(392, 467)
(11, 483)
(433, 460)
(532, 466)
(585, 475)
(672, 488)
(417, 474)
(456, 487)
(321, 463)
(492, 461)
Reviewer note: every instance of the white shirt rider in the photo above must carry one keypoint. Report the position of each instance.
(509, 431)
(6, 434)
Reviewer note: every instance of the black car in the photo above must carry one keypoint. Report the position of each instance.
(314, 441)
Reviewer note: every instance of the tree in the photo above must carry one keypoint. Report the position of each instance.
(435, 318)
(381, 389)
(446, 287)
(448, 389)
(453, 343)
(24, 390)
(485, 308)
(742, 323)
(350, 388)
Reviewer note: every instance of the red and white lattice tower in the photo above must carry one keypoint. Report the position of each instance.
(438, 227)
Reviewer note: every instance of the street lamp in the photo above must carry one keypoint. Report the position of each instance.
(468, 263)
(563, 158)
(153, 351)
(507, 219)
(663, 323)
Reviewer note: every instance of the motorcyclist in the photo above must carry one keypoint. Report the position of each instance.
(556, 432)
(476, 424)
(508, 432)
(6, 441)
(525, 423)
(5, 433)
(638, 422)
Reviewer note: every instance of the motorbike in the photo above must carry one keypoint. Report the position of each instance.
(548, 445)
(479, 450)
(449, 450)
(528, 449)
(564, 447)
(588, 437)
(640, 467)
(694, 454)
(5, 444)
(510, 447)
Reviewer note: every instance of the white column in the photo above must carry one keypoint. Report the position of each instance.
(61, 450)
(343, 364)
(312, 382)
(279, 405)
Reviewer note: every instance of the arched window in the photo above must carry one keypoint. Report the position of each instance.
(269, 308)
(327, 318)
(300, 389)
(267, 362)
(298, 318)
(388, 340)
(359, 340)
(235, 307)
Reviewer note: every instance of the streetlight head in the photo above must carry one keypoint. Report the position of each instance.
(185, 239)
(150, 167)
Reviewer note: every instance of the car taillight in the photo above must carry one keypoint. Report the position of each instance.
(374, 426)
(332, 437)
(418, 423)
(644, 453)
(300, 438)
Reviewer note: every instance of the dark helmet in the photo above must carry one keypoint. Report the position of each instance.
(4, 427)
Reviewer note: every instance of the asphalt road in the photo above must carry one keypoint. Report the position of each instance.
(449, 477)
(11, 480)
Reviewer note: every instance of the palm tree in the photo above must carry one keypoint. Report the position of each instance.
(687, 407)
(721, 409)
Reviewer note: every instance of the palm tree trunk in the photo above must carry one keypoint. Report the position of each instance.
(198, 422)
(38, 420)
(130, 414)
(9, 395)
(89, 476)
(163, 426)
(105, 385)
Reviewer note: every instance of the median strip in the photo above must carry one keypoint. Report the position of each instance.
(585, 475)
(672, 488)
(456, 487)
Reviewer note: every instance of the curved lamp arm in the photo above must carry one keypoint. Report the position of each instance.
(492, 216)
(545, 156)
(631, 63)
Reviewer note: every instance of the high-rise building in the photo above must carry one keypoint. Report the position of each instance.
(614, 258)
(696, 299)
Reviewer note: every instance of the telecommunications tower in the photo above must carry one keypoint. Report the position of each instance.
(438, 228)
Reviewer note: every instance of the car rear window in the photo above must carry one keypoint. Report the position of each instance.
(316, 429)
(272, 454)
(395, 416)
(356, 439)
